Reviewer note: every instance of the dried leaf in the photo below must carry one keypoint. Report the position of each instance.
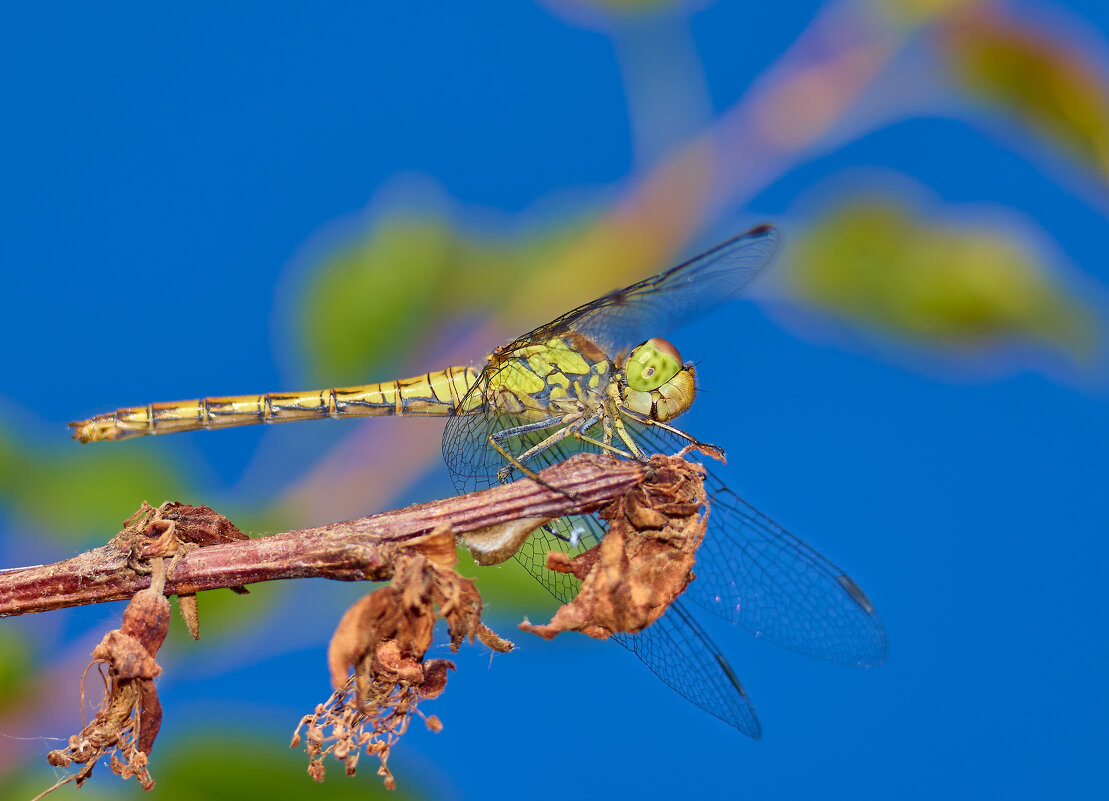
(381, 641)
(644, 561)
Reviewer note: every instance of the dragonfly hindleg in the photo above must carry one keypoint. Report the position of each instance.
(527, 428)
(517, 462)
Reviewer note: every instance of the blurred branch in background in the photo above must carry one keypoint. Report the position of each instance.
(415, 289)
(855, 70)
(973, 287)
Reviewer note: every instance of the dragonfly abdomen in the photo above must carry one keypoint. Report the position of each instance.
(433, 394)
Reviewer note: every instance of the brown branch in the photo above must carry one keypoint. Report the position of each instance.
(351, 551)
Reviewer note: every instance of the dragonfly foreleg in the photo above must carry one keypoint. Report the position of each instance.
(646, 421)
(606, 425)
(622, 431)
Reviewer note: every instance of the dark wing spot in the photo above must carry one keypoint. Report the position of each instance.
(856, 594)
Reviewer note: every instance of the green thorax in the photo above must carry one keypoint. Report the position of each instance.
(555, 377)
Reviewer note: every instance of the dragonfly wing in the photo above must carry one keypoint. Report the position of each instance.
(679, 652)
(652, 307)
(753, 572)
(674, 647)
(474, 464)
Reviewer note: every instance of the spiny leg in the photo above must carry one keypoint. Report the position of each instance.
(503, 474)
(518, 461)
(527, 428)
(604, 447)
(622, 431)
(646, 421)
(573, 427)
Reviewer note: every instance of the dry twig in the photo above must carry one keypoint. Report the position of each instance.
(377, 652)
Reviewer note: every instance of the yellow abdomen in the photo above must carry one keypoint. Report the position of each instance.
(434, 394)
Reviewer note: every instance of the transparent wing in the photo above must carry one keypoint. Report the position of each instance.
(474, 464)
(750, 570)
(674, 647)
(656, 305)
(753, 572)
(679, 652)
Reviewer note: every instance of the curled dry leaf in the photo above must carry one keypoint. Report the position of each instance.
(152, 532)
(644, 561)
(381, 641)
(174, 529)
(494, 544)
(130, 714)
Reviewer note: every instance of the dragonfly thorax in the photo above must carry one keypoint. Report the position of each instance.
(565, 375)
(656, 382)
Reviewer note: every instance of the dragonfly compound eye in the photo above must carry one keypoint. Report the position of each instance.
(652, 364)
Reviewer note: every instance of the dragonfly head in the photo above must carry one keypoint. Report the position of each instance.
(657, 384)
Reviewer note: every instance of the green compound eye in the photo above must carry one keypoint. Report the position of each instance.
(652, 364)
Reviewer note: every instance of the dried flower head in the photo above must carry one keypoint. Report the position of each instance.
(645, 559)
(130, 714)
(381, 642)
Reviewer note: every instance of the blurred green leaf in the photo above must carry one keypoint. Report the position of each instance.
(362, 303)
(1035, 75)
(222, 767)
(917, 12)
(508, 585)
(368, 308)
(629, 7)
(79, 491)
(873, 262)
(15, 666)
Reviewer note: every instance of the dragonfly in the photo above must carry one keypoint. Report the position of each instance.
(602, 378)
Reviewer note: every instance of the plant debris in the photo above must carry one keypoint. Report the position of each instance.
(130, 714)
(175, 529)
(383, 639)
(645, 559)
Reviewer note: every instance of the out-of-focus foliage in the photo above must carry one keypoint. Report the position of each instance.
(594, 12)
(76, 491)
(15, 664)
(374, 303)
(380, 299)
(370, 295)
(630, 6)
(875, 263)
(916, 12)
(226, 768)
(1039, 77)
(508, 583)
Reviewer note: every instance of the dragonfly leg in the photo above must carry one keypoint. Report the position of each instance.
(605, 447)
(622, 431)
(573, 427)
(539, 425)
(576, 534)
(606, 424)
(518, 462)
(646, 421)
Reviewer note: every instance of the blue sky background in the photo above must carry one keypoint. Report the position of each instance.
(173, 177)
